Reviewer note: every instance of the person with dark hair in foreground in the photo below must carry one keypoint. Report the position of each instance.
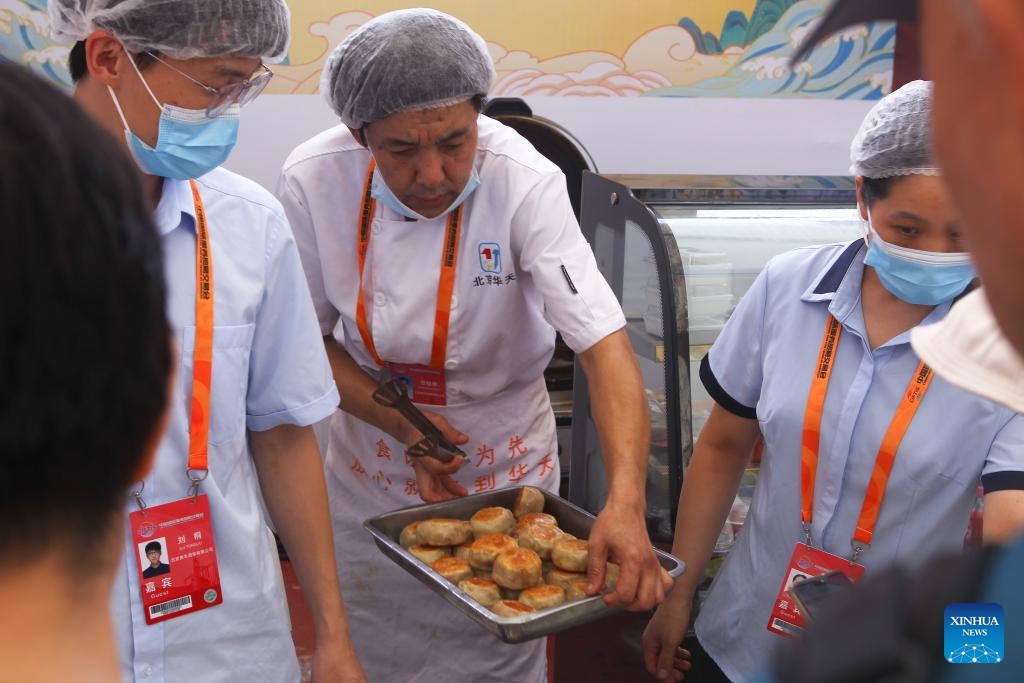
(85, 361)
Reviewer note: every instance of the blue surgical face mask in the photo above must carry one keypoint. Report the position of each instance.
(380, 191)
(188, 143)
(919, 277)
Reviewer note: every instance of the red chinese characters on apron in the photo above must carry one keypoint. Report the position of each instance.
(512, 442)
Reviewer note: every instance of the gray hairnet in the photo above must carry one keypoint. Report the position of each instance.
(895, 137)
(181, 29)
(402, 61)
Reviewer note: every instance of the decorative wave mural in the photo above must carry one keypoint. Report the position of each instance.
(854, 64)
(596, 55)
(25, 37)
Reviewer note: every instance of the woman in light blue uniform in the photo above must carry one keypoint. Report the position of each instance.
(867, 455)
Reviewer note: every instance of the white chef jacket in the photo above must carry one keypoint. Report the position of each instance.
(498, 346)
(269, 369)
(760, 367)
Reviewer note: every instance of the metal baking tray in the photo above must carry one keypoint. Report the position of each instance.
(387, 528)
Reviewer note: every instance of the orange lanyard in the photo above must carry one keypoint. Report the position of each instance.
(886, 453)
(202, 358)
(445, 285)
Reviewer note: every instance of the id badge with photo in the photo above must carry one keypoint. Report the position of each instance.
(424, 385)
(807, 561)
(176, 558)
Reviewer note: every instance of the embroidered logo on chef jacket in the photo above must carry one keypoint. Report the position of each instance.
(490, 257)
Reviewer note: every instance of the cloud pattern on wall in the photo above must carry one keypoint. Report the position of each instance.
(667, 61)
(25, 37)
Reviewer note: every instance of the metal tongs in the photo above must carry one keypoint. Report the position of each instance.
(392, 394)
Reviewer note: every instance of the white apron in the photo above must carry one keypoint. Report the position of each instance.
(402, 630)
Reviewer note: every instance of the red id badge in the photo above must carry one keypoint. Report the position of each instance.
(807, 561)
(176, 557)
(424, 385)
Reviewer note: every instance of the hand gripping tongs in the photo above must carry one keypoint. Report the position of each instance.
(392, 394)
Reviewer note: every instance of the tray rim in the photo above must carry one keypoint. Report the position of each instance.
(508, 629)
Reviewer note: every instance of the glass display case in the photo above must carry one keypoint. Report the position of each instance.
(679, 252)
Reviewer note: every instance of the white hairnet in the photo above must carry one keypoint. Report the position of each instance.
(895, 137)
(402, 61)
(181, 29)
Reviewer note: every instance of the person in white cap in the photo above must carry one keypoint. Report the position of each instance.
(442, 248)
(869, 458)
(167, 79)
(978, 120)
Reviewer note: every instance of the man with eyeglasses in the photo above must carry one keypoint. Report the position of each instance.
(167, 78)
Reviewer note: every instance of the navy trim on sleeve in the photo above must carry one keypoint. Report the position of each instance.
(1003, 481)
(831, 280)
(721, 397)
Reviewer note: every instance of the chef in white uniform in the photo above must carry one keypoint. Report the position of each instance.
(441, 247)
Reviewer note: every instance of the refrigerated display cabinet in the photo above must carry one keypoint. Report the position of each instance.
(679, 252)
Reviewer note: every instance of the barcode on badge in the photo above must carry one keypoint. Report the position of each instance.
(787, 627)
(170, 607)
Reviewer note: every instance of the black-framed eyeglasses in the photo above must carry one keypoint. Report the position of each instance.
(241, 93)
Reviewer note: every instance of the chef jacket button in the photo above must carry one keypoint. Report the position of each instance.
(376, 227)
(147, 670)
(455, 301)
(451, 364)
(379, 299)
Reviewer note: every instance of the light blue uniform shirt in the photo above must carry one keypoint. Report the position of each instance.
(269, 369)
(761, 366)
